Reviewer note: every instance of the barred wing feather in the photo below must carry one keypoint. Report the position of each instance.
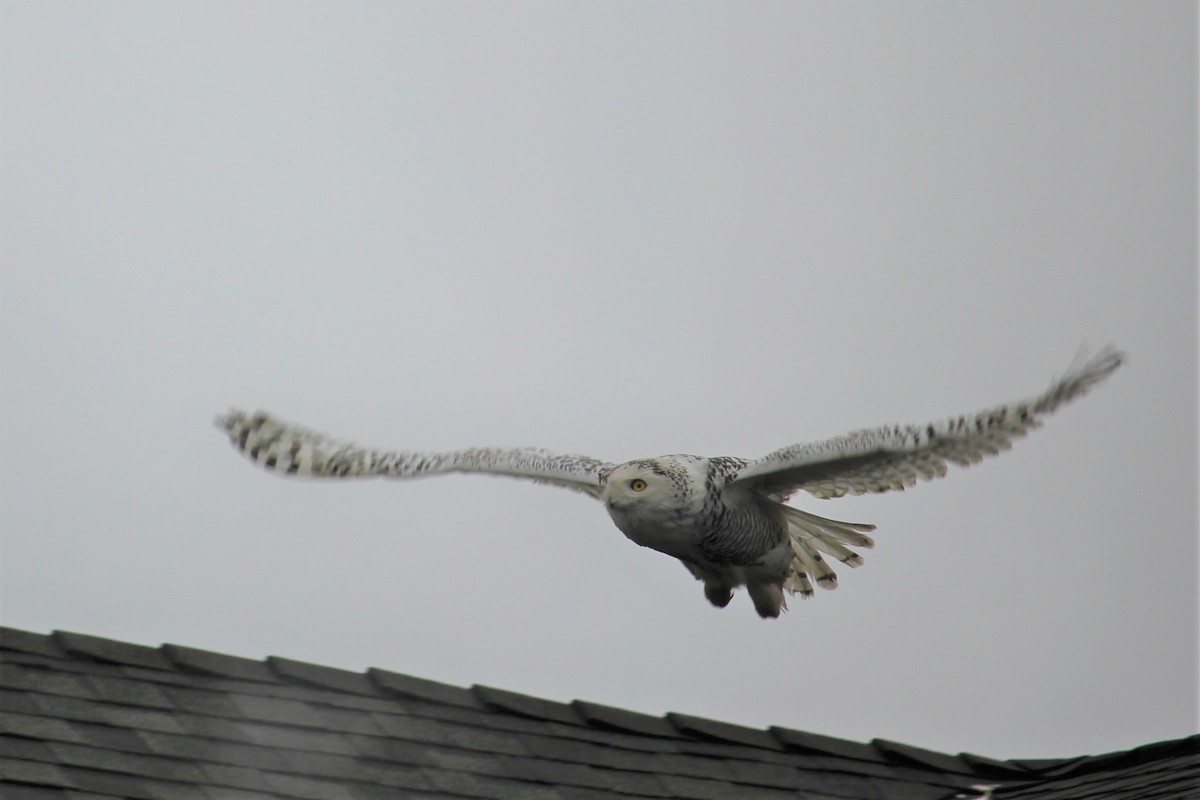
(290, 449)
(893, 458)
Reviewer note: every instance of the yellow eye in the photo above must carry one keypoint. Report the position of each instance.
(637, 484)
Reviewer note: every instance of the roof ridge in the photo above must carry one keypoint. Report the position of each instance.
(1143, 754)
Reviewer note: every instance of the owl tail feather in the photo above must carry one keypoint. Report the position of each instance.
(810, 536)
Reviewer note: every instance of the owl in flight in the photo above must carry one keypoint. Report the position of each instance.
(723, 517)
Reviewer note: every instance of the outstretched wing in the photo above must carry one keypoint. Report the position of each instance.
(882, 459)
(290, 449)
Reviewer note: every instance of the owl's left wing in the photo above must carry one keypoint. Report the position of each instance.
(883, 459)
(290, 449)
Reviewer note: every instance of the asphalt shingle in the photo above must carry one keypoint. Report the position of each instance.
(208, 663)
(618, 719)
(422, 689)
(723, 731)
(524, 705)
(94, 647)
(87, 718)
(339, 680)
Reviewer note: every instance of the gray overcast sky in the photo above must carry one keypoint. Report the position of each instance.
(621, 229)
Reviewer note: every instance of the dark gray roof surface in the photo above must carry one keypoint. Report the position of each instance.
(88, 718)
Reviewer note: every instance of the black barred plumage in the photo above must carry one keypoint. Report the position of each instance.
(723, 517)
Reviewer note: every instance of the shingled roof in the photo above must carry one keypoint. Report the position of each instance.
(88, 718)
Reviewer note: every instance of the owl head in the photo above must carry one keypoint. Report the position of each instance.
(640, 482)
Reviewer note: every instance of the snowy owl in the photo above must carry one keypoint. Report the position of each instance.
(723, 517)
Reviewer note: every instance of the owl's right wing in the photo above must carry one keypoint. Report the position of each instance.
(895, 457)
(289, 449)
